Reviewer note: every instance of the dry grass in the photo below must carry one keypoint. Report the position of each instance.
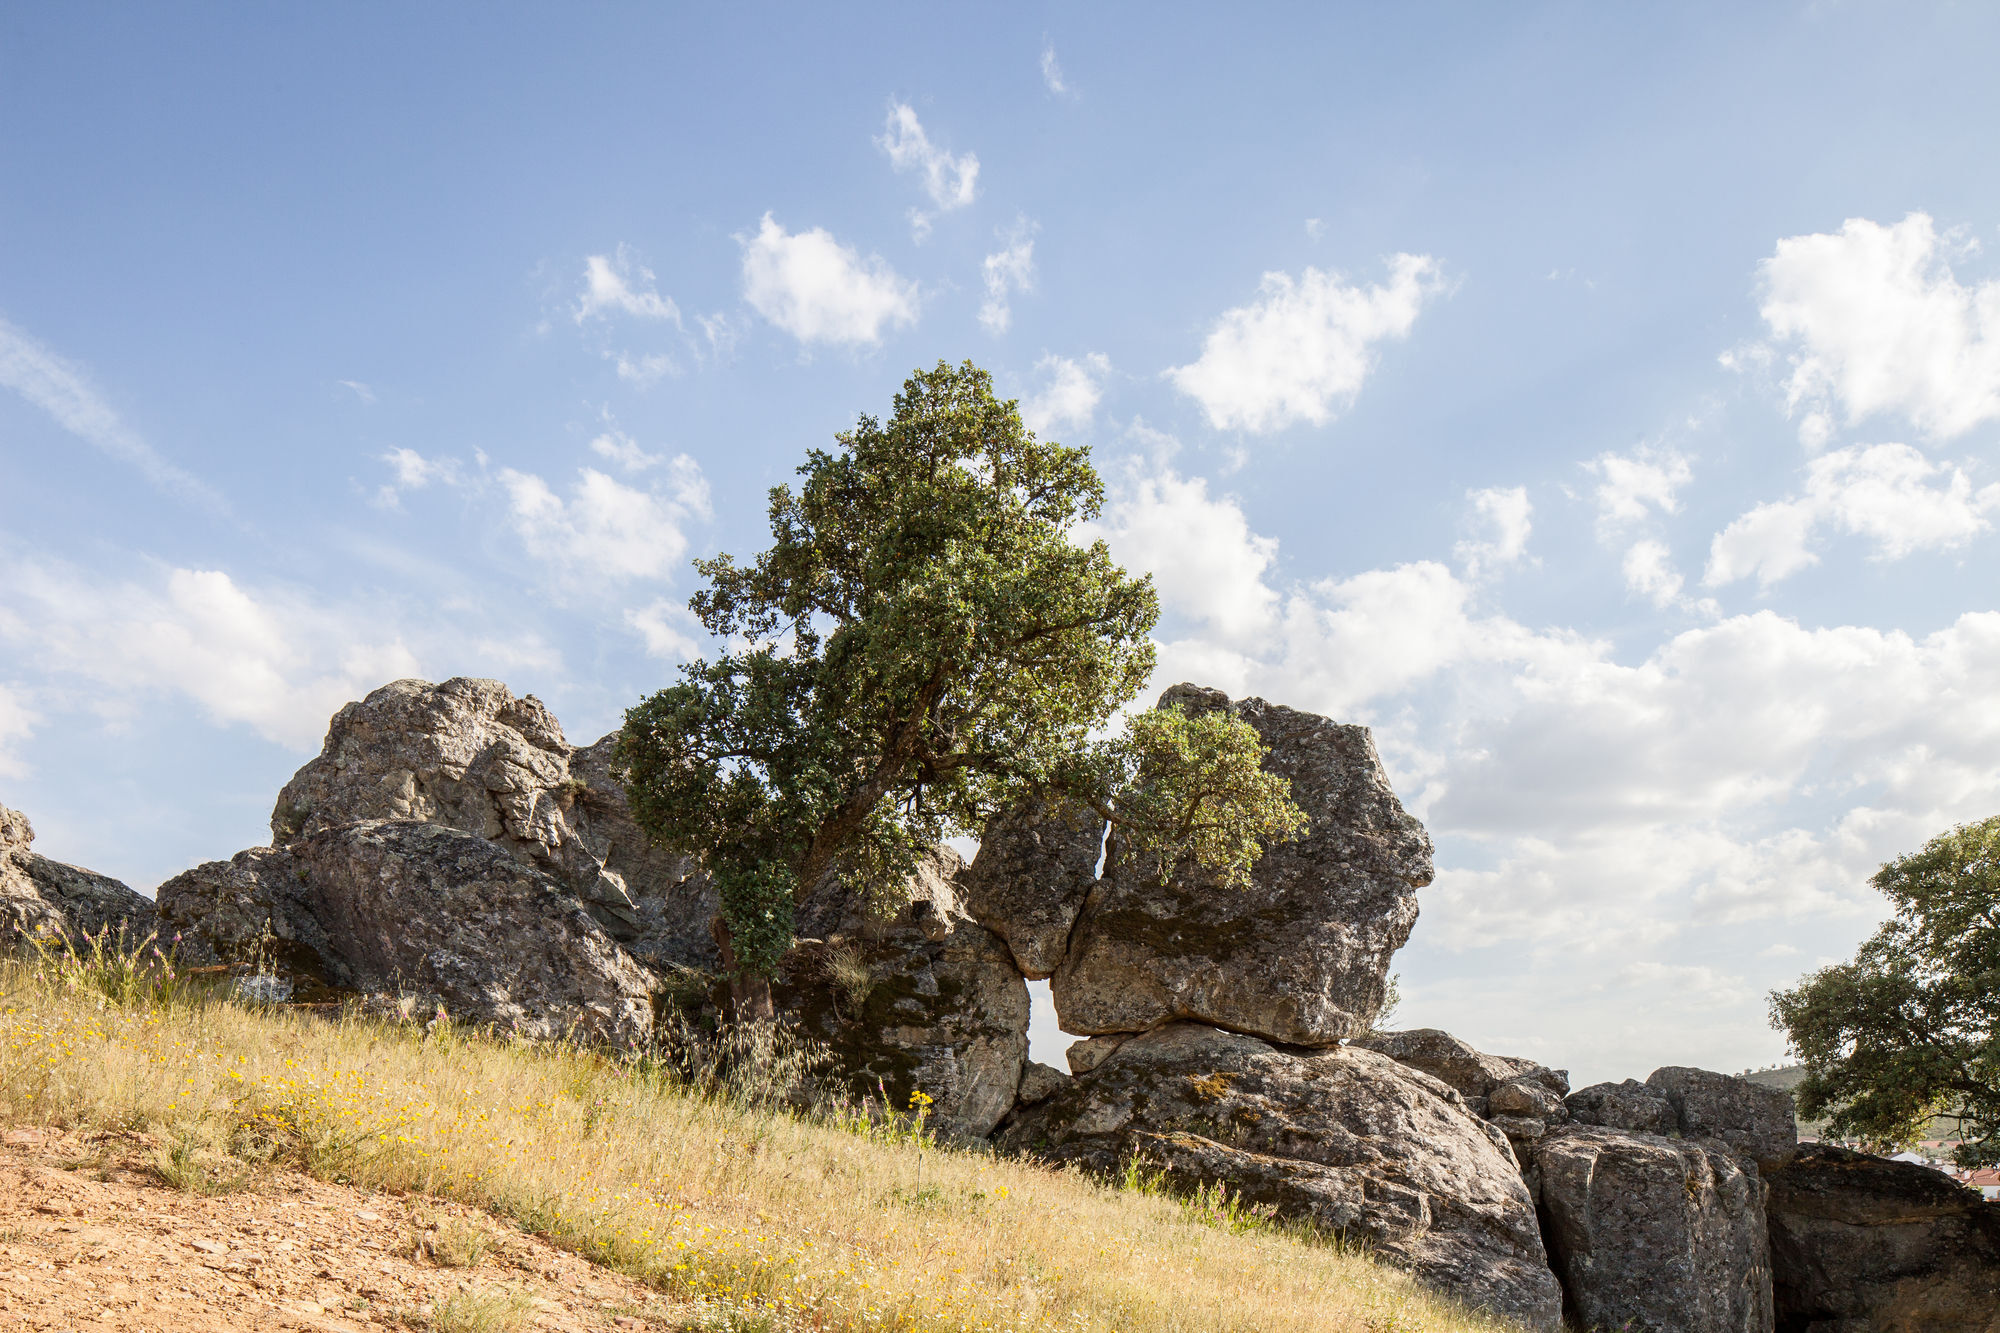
(749, 1218)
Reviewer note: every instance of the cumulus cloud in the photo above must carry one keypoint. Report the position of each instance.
(1301, 351)
(1071, 390)
(1502, 516)
(1649, 571)
(276, 660)
(1208, 564)
(1889, 494)
(1874, 321)
(1009, 269)
(616, 284)
(63, 389)
(951, 182)
(818, 290)
(606, 530)
(1632, 486)
(668, 630)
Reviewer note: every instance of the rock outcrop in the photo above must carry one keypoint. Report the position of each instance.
(1631, 1105)
(926, 1000)
(1035, 867)
(47, 899)
(426, 914)
(1302, 955)
(1521, 1098)
(1345, 1138)
(468, 755)
(1649, 1232)
(1757, 1123)
(1864, 1245)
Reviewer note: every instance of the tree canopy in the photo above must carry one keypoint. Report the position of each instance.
(928, 639)
(1910, 1030)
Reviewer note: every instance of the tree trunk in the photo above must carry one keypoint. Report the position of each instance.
(749, 996)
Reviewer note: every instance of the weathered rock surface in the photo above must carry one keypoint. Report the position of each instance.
(1520, 1098)
(450, 917)
(1302, 955)
(44, 898)
(1039, 1082)
(1631, 1105)
(672, 903)
(467, 754)
(1654, 1233)
(430, 914)
(1864, 1245)
(1347, 1138)
(1758, 1122)
(926, 1000)
(1036, 865)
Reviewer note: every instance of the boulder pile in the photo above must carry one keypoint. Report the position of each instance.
(449, 851)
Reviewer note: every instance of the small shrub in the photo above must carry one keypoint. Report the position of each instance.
(448, 1241)
(848, 969)
(193, 1165)
(479, 1310)
(745, 1064)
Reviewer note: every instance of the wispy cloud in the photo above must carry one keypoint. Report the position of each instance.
(62, 389)
(1007, 270)
(952, 182)
(1052, 71)
(616, 283)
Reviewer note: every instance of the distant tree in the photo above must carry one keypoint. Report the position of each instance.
(927, 640)
(1910, 1029)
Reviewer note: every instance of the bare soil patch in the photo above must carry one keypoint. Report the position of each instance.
(90, 1239)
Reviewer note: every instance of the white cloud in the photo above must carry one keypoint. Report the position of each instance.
(819, 290)
(606, 530)
(615, 283)
(644, 370)
(359, 390)
(1069, 395)
(1199, 548)
(275, 660)
(1649, 571)
(64, 391)
(1052, 75)
(1302, 351)
(667, 629)
(1877, 322)
(1011, 269)
(1630, 485)
(414, 472)
(951, 182)
(17, 724)
(1888, 493)
(1503, 516)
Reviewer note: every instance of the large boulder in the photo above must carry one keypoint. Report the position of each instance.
(45, 899)
(467, 754)
(1036, 864)
(1631, 1105)
(918, 999)
(1759, 1123)
(672, 903)
(431, 915)
(1301, 955)
(1347, 1139)
(1864, 1245)
(1654, 1233)
(1521, 1098)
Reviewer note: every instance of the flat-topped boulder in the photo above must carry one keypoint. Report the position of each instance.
(1345, 1138)
(1759, 1123)
(1301, 955)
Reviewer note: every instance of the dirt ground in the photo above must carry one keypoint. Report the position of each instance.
(91, 1239)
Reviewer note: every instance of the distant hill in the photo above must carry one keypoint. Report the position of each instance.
(1789, 1077)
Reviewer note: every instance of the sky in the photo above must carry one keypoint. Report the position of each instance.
(1600, 402)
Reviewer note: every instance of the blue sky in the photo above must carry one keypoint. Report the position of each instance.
(1601, 402)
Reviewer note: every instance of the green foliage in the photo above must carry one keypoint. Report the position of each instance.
(1911, 1028)
(926, 641)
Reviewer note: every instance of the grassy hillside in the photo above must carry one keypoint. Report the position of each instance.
(754, 1219)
